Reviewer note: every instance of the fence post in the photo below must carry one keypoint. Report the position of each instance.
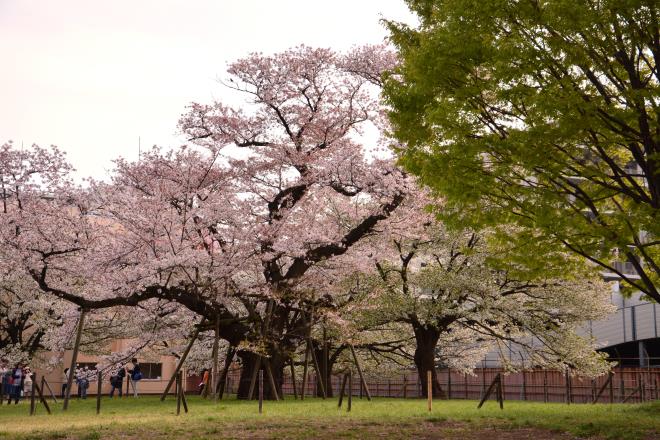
(405, 386)
(622, 388)
(465, 377)
(429, 389)
(545, 386)
(350, 391)
(34, 386)
(261, 391)
(448, 383)
(98, 392)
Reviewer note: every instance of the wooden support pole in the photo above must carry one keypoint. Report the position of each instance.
(622, 386)
(214, 354)
(359, 370)
(429, 390)
(465, 378)
(405, 386)
(179, 364)
(524, 385)
(489, 391)
(635, 391)
(567, 383)
(342, 389)
(99, 379)
(229, 358)
(602, 388)
(128, 387)
(261, 391)
(350, 391)
(42, 398)
(182, 393)
(545, 386)
(253, 379)
(74, 359)
(317, 369)
(449, 383)
(178, 393)
(500, 391)
(293, 379)
(34, 387)
(325, 360)
(271, 378)
(304, 378)
(45, 382)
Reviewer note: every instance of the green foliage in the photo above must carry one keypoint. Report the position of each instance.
(531, 113)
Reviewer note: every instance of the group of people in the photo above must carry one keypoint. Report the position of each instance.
(15, 381)
(83, 377)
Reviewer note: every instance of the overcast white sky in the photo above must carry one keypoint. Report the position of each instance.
(91, 76)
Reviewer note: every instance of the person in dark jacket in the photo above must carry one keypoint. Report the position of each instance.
(117, 381)
(136, 376)
(17, 378)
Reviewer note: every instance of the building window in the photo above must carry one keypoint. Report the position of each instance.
(151, 370)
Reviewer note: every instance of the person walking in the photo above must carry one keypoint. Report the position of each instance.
(205, 381)
(17, 378)
(5, 374)
(65, 382)
(83, 382)
(136, 376)
(117, 381)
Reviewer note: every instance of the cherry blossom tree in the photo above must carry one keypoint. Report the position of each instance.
(444, 285)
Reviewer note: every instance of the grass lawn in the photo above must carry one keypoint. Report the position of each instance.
(148, 418)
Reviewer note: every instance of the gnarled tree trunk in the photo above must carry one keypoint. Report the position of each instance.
(426, 338)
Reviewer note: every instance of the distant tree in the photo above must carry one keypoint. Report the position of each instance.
(541, 114)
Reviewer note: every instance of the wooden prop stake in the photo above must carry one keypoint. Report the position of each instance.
(271, 379)
(602, 388)
(179, 364)
(99, 379)
(34, 387)
(42, 398)
(128, 386)
(44, 382)
(304, 378)
(316, 368)
(293, 379)
(214, 368)
(325, 360)
(253, 379)
(545, 386)
(178, 394)
(635, 391)
(490, 389)
(448, 383)
(182, 393)
(359, 370)
(429, 390)
(342, 389)
(350, 392)
(74, 360)
(229, 358)
(261, 391)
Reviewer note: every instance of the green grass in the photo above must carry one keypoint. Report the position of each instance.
(147, 417)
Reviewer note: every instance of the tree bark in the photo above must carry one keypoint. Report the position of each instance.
(427, 339)
(248, 362)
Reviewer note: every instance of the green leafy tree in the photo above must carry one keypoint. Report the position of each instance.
(540, 114)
